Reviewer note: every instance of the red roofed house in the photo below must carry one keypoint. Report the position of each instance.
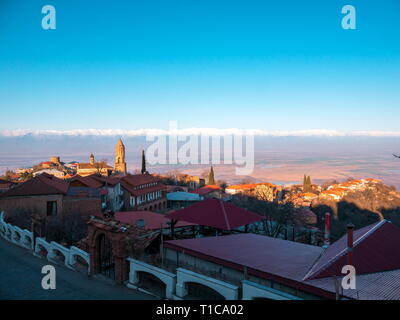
(143, 192)
(49, 196)
(93, 167)
(127, 192)
(250, 266)
(217, 214)
(209, 191)
(111, 192)
(246, 188)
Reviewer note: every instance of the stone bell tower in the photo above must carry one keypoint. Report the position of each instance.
(120, 164)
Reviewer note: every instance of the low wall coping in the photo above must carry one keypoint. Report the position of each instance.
(207, 278)
(151, 267)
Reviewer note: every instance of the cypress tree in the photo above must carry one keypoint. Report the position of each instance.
(211, 180)
(143, 162)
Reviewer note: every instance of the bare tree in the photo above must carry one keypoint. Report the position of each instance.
(265, 193)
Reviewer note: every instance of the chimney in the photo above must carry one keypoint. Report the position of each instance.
(350, 228)
(327, 234)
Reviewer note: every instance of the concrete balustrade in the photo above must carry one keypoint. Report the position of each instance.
(169, 279)
(75, 252)
(227, 290)
(15, 234)
(176, 283)
(55, 252)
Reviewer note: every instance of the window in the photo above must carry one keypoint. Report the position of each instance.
(51, 208)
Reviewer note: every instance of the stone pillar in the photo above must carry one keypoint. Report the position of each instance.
(181, 290)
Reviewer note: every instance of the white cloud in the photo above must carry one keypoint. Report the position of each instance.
(196, 131)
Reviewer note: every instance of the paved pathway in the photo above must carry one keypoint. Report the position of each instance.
(21, 277)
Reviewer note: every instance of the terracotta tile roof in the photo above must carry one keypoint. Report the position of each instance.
(139, 179)
(206, 189)
(217, 214)
(131, 183)
(87, 181)
(250, 185)
(372, 180)
(309, 194)
(138, 192)
(106, 180)
(40, 185)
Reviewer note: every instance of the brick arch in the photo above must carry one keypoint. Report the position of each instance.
(96, 236)
(107, 228)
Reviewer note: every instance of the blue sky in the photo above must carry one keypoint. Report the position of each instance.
(269, 65)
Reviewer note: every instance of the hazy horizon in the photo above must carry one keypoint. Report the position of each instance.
(280, 159)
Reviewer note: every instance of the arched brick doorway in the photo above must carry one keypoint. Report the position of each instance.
(107, 247)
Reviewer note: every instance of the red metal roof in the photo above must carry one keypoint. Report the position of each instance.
(310, 268)
(152, 220)
(42, 184)
(375, 250)
(217, 214)
(282, 258)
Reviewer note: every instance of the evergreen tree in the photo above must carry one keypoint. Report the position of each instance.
(211, 180)
(143, 163)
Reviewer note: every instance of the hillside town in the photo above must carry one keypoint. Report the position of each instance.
(179, 236)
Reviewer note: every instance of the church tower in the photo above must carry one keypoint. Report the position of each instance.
(120, 164)
(91, 158)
